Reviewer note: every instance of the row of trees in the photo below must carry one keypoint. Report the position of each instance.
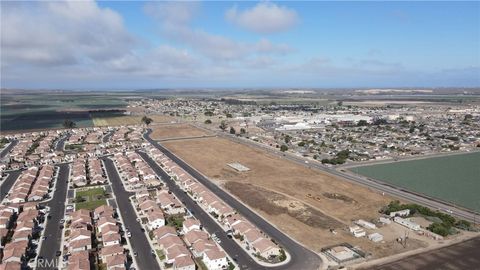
(340, 158)
(223, 126)
(446, 223)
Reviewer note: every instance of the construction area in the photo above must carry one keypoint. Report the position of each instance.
(311, 206)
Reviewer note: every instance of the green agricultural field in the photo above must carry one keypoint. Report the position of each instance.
(48, 110)
(454, 178)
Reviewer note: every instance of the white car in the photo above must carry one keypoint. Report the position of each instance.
(31, 263)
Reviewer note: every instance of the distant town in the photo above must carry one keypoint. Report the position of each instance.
(179, 182)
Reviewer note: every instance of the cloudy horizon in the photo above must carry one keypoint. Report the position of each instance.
(141, 45)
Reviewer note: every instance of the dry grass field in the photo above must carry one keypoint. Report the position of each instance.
(304, 203)
(116, 121)
(157, 118)
(129, 120)
(176, 131)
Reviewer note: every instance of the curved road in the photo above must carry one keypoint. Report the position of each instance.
(301, 257)
(7, 149)
(8, 182)
(107, 136)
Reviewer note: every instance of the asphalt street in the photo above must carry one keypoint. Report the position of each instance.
(8, 183)
(61, 143)
(301, 257)
(107, 137)
(245, 261)
(138, 241)
(7, 149)
(376, 185)
(52, 231)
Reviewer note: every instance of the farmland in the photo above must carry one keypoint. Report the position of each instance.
(28, 111)
(453, 178)
(296, 199)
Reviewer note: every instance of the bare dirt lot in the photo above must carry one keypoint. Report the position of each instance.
(304, 203)
(177, 131)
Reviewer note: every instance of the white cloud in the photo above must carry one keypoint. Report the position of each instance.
(172, 12)
(61, 33)
(87, 44)
(266, 46)
(264, 18)
(175, 18)
(261, 62)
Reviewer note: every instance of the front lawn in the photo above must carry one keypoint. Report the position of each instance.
(90, 198)
(90, 205)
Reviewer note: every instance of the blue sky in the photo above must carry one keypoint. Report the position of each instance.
(125, 45)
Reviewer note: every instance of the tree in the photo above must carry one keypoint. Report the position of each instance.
(438, 228)
(343, 154)
(282, 256)
(223, 125)
(208, 121)
(232, 130)
(362, 123)
(340, 103)
(243, 131)
(229, 115)
(380, 121)
(69, 123)
(301, 144)
(147, 120)
(283, 148)
(208, 113)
